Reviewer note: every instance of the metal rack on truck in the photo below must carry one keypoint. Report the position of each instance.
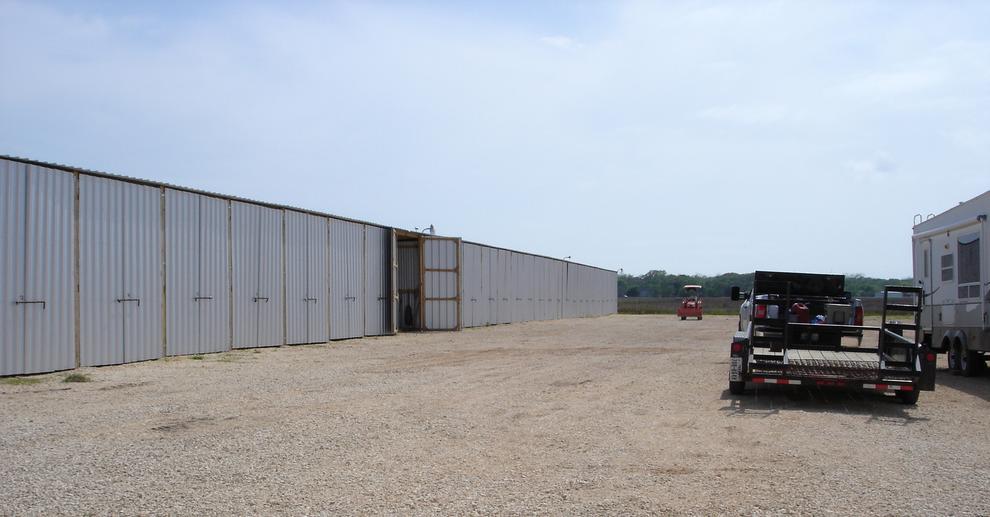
(790, 341)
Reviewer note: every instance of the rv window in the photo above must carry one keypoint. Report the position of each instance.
(947, 267)
(969, 260)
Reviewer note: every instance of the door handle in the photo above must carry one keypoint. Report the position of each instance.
(256, 298)
(309, 299)
(122, 300)
(350, 298)
(198, 298)
(30, 302)
(380, 298)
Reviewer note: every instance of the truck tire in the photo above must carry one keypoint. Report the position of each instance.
(699, 318)
(969, 362)
(737, 387)
(953, 357)
(909, 397)
(683, 318)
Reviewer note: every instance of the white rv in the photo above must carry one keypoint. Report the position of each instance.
(951, 254)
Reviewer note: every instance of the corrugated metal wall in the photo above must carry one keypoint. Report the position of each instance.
(307, 278)
(501, 286)
(377, 281)
(347, 286)
(256, 272)
(441, 283)
(165, 270)
(120, 272)
(197, 273)
(38, 315)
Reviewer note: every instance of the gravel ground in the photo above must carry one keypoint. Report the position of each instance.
(623, 414)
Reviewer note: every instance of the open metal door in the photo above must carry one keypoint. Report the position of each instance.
(441, 280)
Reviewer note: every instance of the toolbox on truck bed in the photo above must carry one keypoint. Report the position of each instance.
(790, 340)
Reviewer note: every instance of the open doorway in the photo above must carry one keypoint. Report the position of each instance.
(428, 281)
(409, 281)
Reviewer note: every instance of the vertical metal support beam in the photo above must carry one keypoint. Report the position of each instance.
(75, 267)
(329, 277)
(421, 325)
(457, 274)
(163, 265)
(364, 279)
(285, 302)
(230, 278)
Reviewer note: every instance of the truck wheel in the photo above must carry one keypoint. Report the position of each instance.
(909, 397)
(699, 318)
(737, 387)
(969, 362)
(683, 318)
(953, 358)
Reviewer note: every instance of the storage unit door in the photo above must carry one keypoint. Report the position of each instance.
(317, 280)
(347, 282)
(297, 296)
(101, 266)
(36, 269)
(142, 297)
(505, 293)
(256, 269)
(484, 294)
(491, 277)
(441, 279)
(377, 270)
(197, 287)
(120, 272)
(214, 276)
(47, 302)
(469, 301)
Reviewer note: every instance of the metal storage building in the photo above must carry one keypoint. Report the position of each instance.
(100, 269)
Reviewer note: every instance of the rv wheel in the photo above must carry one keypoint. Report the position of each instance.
(969, 362)
(737, 387)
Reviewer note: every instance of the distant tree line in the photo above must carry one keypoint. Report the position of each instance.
(662, 284)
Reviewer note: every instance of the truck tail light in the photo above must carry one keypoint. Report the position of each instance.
(761, 311)
(858, 318)
(736, 348)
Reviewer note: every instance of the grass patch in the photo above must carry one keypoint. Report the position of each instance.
(20, 381)
(196, 357)
(77, 377)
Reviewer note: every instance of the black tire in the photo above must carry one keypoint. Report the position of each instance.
(699, 318)
(953, 358)
(683, 318)
(909, 397)
(969, 362)
(737, 387)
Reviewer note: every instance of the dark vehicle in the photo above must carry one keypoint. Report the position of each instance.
(790, 339)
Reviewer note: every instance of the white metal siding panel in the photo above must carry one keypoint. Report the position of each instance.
(101, 266)
(505, 294)
(307, 278)
(256, 240)
(120, 272)
(13, 186)
(296, 271)
(48, 270)
(377, 269)
(488, 305)
(198, 288)
(214, 275)
(181, 272)
(142, 273)
(347, 257)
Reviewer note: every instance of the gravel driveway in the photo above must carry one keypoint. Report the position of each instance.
(621, 414)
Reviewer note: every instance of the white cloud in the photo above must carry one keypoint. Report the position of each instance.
(875, 170)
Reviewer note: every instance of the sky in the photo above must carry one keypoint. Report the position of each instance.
(692, 137)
